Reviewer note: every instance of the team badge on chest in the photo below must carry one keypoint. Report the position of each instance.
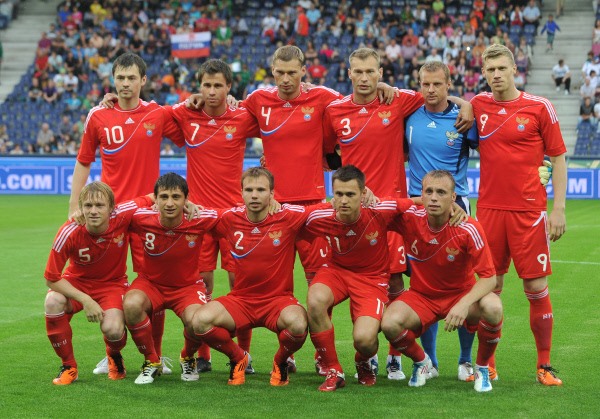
(521, 123)
(275, 235)
(372, 237)
(307, 111)
(229, 131)
(385, 117)
(451, 253)
(149, 129)
(119, 240)
(191, 238)
(451, 137)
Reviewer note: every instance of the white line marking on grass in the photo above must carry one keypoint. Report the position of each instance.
(575, 262)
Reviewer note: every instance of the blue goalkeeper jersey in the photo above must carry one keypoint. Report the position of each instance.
(434, 144)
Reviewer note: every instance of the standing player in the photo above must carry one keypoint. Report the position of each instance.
(358, 269)
(215, 139)
(435, 144)
(516, 129)
(371, 136)
(442, 284)
(129, 138)
(95, 280)
(262, 246)
(170, 278)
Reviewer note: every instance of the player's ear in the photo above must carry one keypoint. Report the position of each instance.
(144, 80)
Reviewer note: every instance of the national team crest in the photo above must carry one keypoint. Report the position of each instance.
(451, 137)
(275, 235)
(191, 238)
(307, 111)
(372, 237)
(385, 117)
(452, 253)
(149, 129)
(521, 123)
(119, 239)
(229, 131)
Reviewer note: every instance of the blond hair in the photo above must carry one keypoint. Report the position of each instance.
(432, 67)
(497, 51)
(97, 188)
(288, 53)
(364, 53)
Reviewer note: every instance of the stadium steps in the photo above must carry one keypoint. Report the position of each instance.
(20, 41)
(571, 44)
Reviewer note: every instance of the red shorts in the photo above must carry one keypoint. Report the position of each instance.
(176, 299)
(107, 294)
(209, 251)
(397, 252)
(313, 251)
(520, 235)
(367, 293)
(249, 313)
(430, 310)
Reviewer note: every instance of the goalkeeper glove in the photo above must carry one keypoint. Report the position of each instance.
(545, 172)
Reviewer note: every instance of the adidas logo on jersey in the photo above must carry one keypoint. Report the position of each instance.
(100, 240)
(170, 233)
(255, 231)
(350, 233)
(362, 111)
(431, 125)
(212, 122)
(433, 241)
(287, 105)
(129, 121)
(502, 111)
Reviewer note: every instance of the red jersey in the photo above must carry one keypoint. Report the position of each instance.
(93, 257)
(264, 252)
(129, 144)
(371, 137)
(171, 254)
(215, 153)
(292, 134)
(362, 246)
(443, 262)
(513, 138)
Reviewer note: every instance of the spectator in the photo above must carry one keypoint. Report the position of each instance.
(521, 62)
(597, 116)
(596, 38)
(240, 26)
(562, 75)
(532, 14)
(433, 56)
(393, 50)
(35, 90)
(45, 135)
(317, 71)
(55, 62)
(223, 35)
(66, 126)
(313, 15)
(17, 150)
(516, 17)
(269, 26)
(71, 82)
(587, 89)
(50, 93)
(301, 26)
(586, 112)
(550, 27)
(172, 97)
(59, 80)
(167, 150)
(73, 102)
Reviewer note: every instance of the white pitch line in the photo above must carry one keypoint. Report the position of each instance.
(575, 262)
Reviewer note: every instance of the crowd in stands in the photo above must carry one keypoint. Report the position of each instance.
(72, 68)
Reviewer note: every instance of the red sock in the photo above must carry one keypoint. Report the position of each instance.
(204, 351)
(288, 344)
(541, 321)
(325, 345)
(407, 344)
(191, 344)
(113, 347)
(488, 336)
(60, 335)
(220, 339)
(244, 338)
(358, 357)
(141, 334)
(394, 352)
(158, 329)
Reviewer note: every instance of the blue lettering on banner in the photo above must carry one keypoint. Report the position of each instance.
(46, 175)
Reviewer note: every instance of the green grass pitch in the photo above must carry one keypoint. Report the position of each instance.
(28, 225)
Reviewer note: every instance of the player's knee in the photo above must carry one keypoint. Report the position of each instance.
(491, 307)
(55, 303)
(133, 305)
(365, 343)
(391, 323)
(202, 320)
(113, 330)
(318, 300)
(297, 324)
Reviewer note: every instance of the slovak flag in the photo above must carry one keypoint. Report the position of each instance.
(190, 45)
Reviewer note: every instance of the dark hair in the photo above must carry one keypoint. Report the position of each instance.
(440, 174)
(347, 173)
(256, 172)
(214, 66)
(130, 59)
(171, 181)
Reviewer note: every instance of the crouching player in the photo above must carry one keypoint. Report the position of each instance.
(262, 245)
(95, 280)
(443, 262)
(170, 279)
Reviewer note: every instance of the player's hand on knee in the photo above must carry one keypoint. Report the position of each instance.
(93, 311)
(109, 100)
(457, 215)
(456, 317)
(545, 172)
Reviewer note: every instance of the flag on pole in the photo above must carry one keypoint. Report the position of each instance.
(190, 45)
